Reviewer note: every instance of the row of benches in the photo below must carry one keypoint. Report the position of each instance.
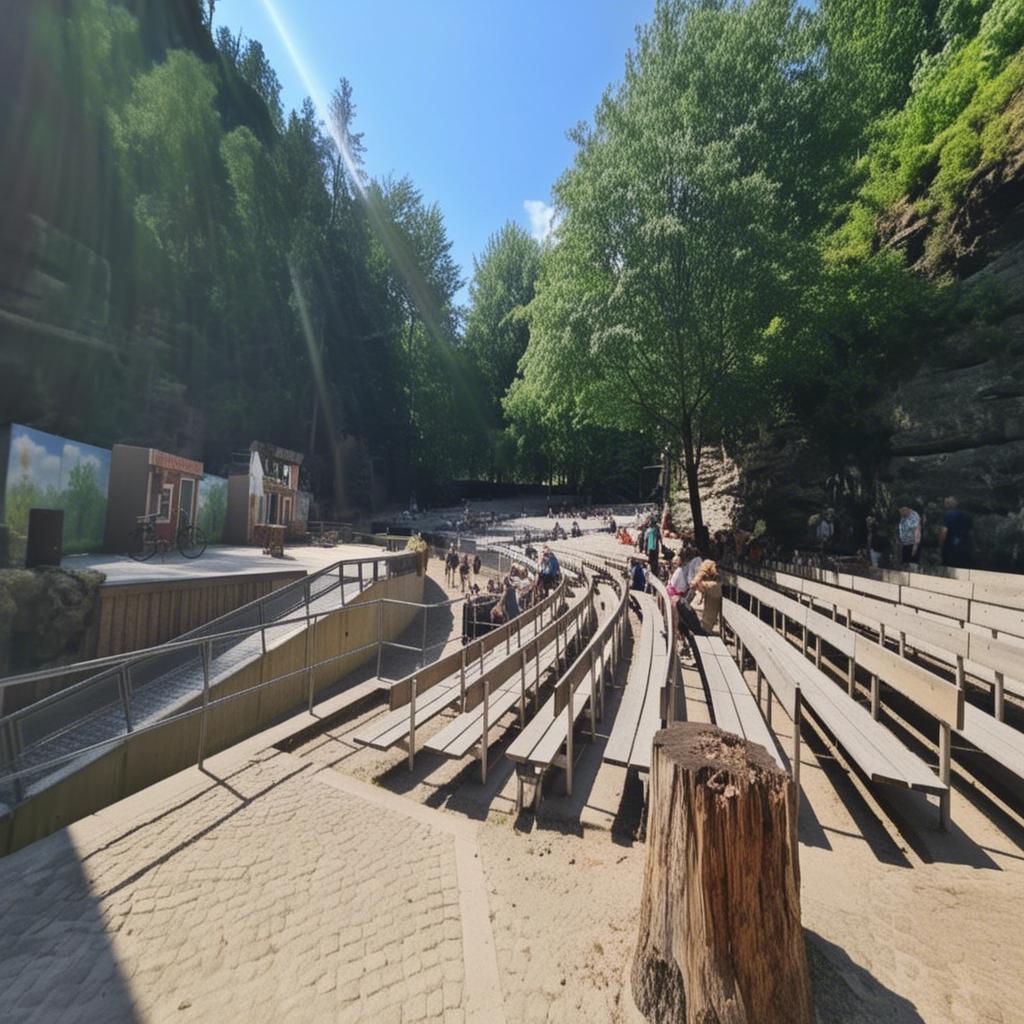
(546, 742)
(991, 658)
(874, 748)
(462, 675)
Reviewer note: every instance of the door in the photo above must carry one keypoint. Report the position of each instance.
(186, 500)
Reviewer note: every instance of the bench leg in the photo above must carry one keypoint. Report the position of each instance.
(945, 745)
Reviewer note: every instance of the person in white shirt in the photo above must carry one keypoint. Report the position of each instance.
(691, 568)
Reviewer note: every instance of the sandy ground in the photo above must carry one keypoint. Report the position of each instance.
(904, 923)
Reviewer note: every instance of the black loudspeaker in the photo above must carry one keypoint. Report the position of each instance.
(45, 536)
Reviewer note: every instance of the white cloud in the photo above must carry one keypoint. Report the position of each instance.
(542, 218)
(30, 459)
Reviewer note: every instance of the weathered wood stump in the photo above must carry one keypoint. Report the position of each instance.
(720, 938)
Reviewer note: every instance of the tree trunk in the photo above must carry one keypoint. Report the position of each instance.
(720, 937)
(691, 464)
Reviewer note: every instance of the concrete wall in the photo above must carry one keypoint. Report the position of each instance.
(149, 757)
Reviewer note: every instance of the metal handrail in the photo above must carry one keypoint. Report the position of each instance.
(205, 644)
(117, 671)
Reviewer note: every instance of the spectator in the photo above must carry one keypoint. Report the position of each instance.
(878, 543)
(955, 535)
(691, 565)
(706, 595)
(637, 576)
(910, 535)
(652, 544)
(476, 565)
(509, 601)
(549, 569)
(826, 530)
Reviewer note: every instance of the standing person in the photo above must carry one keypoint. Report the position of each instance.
(451, 563)
(652, 544)
(878, 543)
(509, 600)
(676, 586)
(826, 530)
(637, 575)
(955, 535)
(464, 572)
(910, 535)
(476, 565)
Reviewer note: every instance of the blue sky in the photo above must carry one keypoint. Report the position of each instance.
(471, 98)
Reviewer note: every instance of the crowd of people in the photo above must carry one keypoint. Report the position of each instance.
(690, 579)
(500, 599)
(901, 544)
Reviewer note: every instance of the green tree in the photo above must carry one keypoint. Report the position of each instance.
(676, 250)
(497, 331)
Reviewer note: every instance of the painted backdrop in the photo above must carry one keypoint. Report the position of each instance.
(213, 507)
(46, 471)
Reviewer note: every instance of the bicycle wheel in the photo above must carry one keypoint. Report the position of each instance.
(141, 544)
(191, 541)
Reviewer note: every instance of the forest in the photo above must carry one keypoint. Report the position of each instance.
(725, 259)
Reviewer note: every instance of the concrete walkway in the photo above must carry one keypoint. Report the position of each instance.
(219, 560)
(262, 890)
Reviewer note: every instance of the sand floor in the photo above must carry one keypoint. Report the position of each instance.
(903, 922)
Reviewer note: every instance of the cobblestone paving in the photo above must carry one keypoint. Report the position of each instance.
(270, 897)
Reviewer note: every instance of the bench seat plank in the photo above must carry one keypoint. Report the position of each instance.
(619, 748)
(879, 754)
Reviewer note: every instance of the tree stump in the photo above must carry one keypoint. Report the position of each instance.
(720, 937)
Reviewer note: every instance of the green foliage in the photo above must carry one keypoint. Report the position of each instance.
(957, 121)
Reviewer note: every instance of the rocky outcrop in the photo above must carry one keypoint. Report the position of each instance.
(46, 618)
(957, 426)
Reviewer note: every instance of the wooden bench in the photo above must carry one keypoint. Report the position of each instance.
(856, 730)
(498, 692)
(733, 705)
(988, 618)
(945, 643)
(547, 740)
(427, 692)
(640, 711)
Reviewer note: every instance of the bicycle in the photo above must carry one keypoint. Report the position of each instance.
(144, 541)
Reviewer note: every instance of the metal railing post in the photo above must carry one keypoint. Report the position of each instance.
(462, 681)
(125, 686)
(360, 565)
(412, 722)
(380, 635)
(341, 582)
(310, 661)
(205, 654)
(423, 636)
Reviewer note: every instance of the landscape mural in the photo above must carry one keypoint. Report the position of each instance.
(212, 509)
(47, 471)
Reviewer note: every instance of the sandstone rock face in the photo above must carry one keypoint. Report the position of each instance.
(958, 424)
